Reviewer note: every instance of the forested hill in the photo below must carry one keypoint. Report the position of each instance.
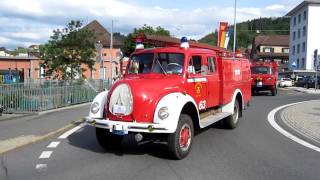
(246, 31)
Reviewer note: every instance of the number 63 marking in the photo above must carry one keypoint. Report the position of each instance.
(202, 105)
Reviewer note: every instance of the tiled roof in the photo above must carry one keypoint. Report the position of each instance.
(272, 40)
(102, 35)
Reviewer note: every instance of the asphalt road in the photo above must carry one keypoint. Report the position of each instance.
(254, 150)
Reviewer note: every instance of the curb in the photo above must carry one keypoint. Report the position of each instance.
(272, 121)
(32, 138)
(62, 108)
(47, 112)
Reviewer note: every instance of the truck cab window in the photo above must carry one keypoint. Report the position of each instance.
(195, 65)
(211, 65)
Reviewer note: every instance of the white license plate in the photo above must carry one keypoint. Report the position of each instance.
(118, 109)
(259, 84)
(118, 129)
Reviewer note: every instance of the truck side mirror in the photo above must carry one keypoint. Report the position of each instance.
(204, 70)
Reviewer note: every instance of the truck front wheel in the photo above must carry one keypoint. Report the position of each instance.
(108, 140)
(180, 142)
(231, 121)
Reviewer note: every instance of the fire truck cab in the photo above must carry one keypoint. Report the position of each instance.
(169, 93)
(264, 76)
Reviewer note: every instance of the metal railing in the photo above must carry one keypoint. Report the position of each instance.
(39, 96)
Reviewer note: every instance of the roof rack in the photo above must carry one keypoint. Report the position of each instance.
(166, 41)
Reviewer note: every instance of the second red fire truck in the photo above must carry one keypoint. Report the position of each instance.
(264, 76)
(170, 92)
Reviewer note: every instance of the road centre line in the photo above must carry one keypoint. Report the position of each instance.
(271, 120)
(45, 155)
(53, 144)
(68, 133)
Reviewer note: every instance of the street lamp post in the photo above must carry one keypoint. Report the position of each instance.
(111, 47)
(235, 28)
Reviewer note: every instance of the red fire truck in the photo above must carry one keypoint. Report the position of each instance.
(264, 76)
(170, 92)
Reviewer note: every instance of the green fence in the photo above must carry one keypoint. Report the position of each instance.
(46, 95)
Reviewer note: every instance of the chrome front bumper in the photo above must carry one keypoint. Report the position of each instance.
(126, 127)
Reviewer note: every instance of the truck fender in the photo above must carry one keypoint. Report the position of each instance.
(175, 103)
(229, 108)
(101, 100)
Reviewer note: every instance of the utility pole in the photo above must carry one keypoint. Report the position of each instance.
(235, 28)
(111, 47)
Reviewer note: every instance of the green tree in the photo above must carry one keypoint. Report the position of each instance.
(129, 42)
(67, 50)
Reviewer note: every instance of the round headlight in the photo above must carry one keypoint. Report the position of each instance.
(95, 107)
(163, 113)
(121, 101)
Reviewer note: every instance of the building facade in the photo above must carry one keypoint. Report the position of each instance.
(272, 48)
(304, 35)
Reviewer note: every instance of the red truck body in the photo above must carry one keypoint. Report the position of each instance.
(264, 76)
(172, 91)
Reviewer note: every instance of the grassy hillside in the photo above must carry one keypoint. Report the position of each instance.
(246, 31)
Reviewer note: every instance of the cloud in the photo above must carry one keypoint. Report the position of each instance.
(32, 21)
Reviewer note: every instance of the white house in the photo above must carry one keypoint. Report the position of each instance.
(304, 34)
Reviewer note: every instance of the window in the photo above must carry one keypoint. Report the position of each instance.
(294, 21)
(305, 15)
(294, 36)
(299, 33)
(303, 47)
(261, 70)
(211, 65)
(195, 65)
(42, 71)
(268, 49)
(285, 50)
(104, 54)
(302, 63)
(293, 50)
(298, 63)
(299, 18)
(304, 31)
(298, 48)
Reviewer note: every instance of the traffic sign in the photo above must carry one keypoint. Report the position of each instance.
(294, 65)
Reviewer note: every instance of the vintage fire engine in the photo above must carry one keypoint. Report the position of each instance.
(264, 76)
(170, 92)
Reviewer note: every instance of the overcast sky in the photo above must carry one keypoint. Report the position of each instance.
(26, 22)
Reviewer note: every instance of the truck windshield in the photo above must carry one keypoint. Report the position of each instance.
(164, 63)
(261, 70)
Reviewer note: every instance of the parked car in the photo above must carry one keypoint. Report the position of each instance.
(302, 82)
(285, 82)
(311, 83)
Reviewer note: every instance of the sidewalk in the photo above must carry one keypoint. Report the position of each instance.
(20, 130)
(304, 90)
(304, 119)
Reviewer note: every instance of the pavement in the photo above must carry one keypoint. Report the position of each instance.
(304, 120)
(17, 130)
(304, 90)
(254, 150)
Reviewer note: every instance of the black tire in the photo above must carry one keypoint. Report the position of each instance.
(232, 121)
(108, 140)
(307, 86)
(274, 91)
(176, 149)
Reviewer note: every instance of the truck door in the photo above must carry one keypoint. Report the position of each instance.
(197, 82)
(213, 82)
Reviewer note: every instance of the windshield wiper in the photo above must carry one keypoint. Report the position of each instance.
(164, 72)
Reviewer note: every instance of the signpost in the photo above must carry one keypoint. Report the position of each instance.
(316, 63)
(293, 67)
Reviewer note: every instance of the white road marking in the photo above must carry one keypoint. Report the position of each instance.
(41, 167)
(271, 119)
(53, 144)
(68, 133)
(45, 155)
